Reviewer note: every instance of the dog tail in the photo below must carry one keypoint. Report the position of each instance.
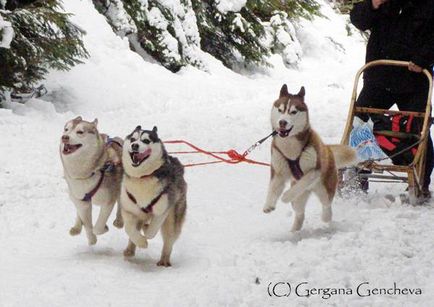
(344, 155)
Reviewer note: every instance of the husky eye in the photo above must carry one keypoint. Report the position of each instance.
(65, 129)
(279, 110)
(293, 112)
(132, 140)
(80, 132)
(146, 141)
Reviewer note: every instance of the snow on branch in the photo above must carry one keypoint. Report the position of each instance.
(6, 32)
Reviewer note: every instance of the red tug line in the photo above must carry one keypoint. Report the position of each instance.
(234, 156)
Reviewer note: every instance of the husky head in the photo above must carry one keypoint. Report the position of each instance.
(80, 139)
(289, 115)
(142, 152)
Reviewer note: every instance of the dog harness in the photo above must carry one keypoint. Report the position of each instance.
(110, 141)
(294, 165)
(154, 201)
(107, 167)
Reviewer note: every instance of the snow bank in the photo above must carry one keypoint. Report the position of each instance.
(225, 6)
(6, 32)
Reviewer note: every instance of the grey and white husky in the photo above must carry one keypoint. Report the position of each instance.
(153, 194)
(93, 172)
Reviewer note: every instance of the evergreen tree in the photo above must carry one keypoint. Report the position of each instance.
(231, 37)
(258, 29)
(173, 32)
(43, 38)
(165, 31)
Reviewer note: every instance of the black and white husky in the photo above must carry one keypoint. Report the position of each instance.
(153, 194)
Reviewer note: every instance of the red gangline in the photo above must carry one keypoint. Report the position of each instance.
(234, 156)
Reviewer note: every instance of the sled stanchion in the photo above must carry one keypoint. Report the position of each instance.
(416, 169)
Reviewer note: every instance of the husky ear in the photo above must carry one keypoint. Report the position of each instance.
(78, 119)
(138, 128)
(154, 129)
(95, 122)
(302, 92)
(284, 91)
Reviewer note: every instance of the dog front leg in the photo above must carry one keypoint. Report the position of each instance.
(307, 182)
(155, 225)
(159, 214)
(299, 205)
(84, 210)
(101, 223)
(118, 222)
(130, 251)
(131, 222)
(76, 229)
(275, 189)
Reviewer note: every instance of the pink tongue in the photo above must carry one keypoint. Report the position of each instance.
(142, 155)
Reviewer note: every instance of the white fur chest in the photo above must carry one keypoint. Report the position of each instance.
(143, 191)
(79, 187)
(307, 159)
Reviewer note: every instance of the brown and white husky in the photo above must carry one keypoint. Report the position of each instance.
(298, 155)
(93, 171)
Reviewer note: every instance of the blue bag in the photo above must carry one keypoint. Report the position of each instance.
(362, 139)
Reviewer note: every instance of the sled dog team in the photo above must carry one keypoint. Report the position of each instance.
(149, 187)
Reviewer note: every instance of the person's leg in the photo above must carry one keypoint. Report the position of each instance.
(417, 102)
(374, 97)
(429, 164)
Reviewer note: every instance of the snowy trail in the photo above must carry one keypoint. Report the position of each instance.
(227, 243)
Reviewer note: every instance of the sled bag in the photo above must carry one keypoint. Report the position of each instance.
(392, 145)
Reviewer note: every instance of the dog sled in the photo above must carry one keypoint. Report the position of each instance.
(378, 170)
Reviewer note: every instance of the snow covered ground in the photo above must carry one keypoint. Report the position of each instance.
(229, 251)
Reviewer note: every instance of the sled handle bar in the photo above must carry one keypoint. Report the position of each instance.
(403, 64)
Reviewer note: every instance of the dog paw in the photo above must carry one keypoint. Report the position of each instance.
(164, 262)
(91, 240)
(129, 252)
(74, 231)
(99, 231)
(287, 197)
(118, 223)
(268, 209)
(142, 242)
(326, 215)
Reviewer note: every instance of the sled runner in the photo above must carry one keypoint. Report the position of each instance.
(402, 135)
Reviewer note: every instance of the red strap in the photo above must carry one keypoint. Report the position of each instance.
(395, 122)
(234, 156)
(385, 143)
(409, 122)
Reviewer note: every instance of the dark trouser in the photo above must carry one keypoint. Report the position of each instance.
(373, 97)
